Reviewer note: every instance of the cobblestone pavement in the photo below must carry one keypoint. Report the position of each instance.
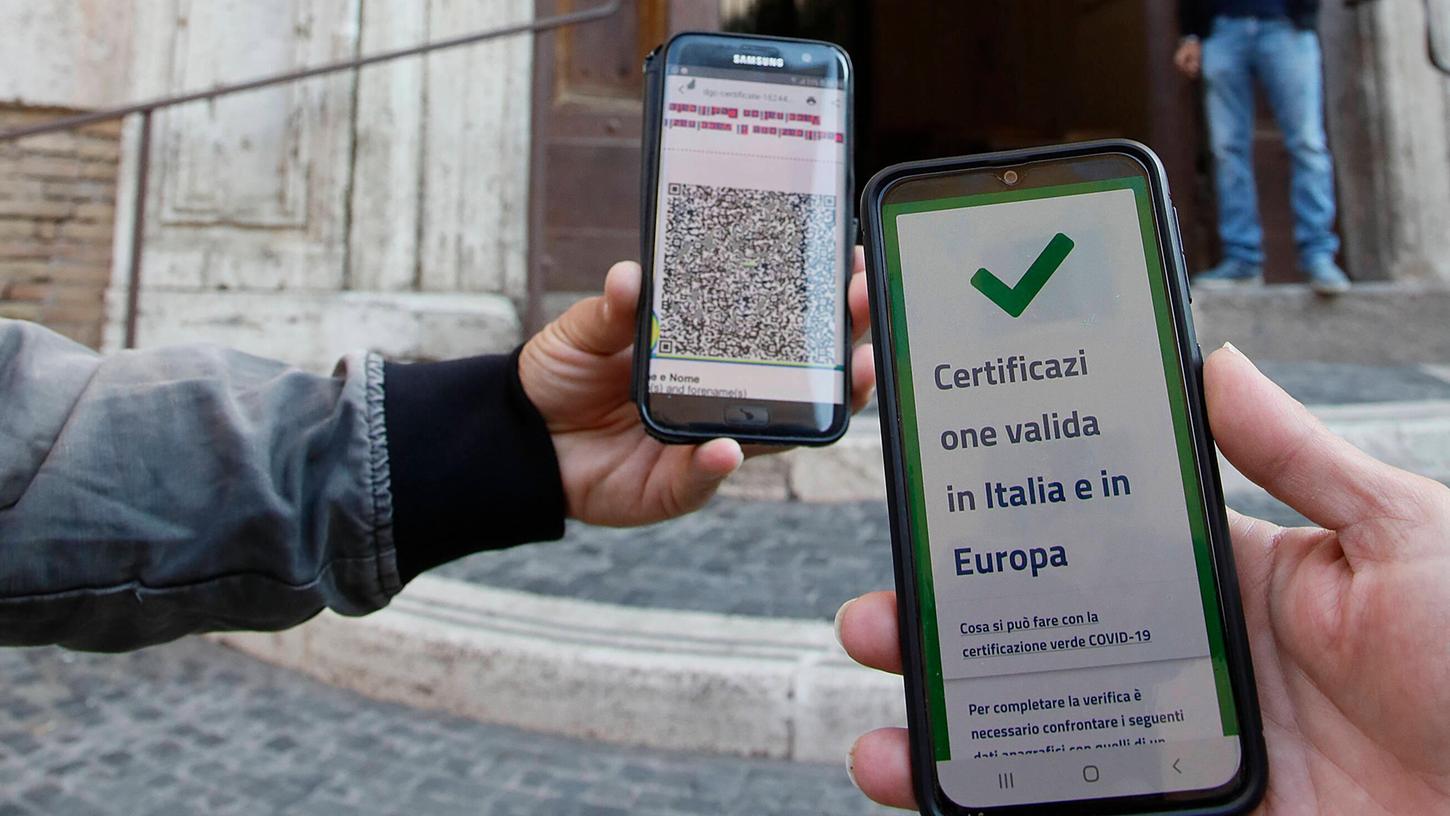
(1345, 384)
(777, 559)
(801, 560)
(194, 728)
(774, 559)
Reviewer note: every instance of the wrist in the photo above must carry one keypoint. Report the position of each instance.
(535, 377)
(473, 466)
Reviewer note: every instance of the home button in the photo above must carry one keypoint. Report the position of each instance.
(750, 416)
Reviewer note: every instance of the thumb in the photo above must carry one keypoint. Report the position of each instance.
(1280, 446)
(706, 467)
(604, 324)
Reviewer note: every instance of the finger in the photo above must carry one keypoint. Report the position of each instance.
(867, 628)
(761, 449)
(1253, 543)
(605, 324)
(880, 765)
(863, 376)
(1279, 445)
(859, 302)
(709, 465)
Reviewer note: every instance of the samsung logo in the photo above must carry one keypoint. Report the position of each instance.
(763, 62)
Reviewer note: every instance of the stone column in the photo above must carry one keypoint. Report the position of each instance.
(1389, 125)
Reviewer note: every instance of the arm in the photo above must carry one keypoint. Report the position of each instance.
(149, 495)
(1347, 622)
(1195, 21)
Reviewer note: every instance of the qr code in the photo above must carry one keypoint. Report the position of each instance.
(749, 275)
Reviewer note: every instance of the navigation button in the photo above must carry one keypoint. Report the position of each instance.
(1090, 773)
(1005, 781)
(1177, 769)
(751, 416)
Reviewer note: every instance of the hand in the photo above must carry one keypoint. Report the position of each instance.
(1189, 58)
(577, 372)
(1348, 623)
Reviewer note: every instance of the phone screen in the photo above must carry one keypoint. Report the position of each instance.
(1071, 625)
(751, 217)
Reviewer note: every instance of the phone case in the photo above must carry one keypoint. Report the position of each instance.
(654, 84)
(1255, 762)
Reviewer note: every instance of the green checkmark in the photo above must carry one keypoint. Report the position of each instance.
(1014, 299)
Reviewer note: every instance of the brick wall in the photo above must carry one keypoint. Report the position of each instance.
(57, 216)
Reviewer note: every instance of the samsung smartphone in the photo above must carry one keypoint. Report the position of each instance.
(747, 233)
(1071, 627)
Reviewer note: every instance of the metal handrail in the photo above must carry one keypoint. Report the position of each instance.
(147, 108)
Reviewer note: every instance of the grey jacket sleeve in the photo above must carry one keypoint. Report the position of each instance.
(148, 495)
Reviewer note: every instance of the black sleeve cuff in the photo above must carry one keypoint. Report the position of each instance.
(472, 463)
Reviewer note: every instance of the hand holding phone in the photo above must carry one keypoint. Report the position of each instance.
(1071, 633)
(576, 372)
(743, 327)
(1309, 616)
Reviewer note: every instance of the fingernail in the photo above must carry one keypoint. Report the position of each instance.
(851, 755)
(841, 616)
(739, 457)
(1231, 348)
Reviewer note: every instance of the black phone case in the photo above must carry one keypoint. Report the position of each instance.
(1254, 773)
(654, 93)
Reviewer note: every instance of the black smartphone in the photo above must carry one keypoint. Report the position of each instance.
(1071, 628)
(746, 225)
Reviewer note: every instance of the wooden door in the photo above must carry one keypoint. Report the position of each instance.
(269, 165)
(584, 171)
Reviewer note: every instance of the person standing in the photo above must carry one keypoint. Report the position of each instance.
(1234, 43)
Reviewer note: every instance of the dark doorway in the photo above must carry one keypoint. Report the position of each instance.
(934, 79)
(584, 167)
(945, 78)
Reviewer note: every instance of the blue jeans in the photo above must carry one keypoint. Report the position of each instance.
(1287, 64)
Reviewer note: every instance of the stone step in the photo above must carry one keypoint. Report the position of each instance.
(667, 679)
(1374, 323)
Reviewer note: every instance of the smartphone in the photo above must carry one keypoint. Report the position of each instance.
(1071, 628)
(747, 227)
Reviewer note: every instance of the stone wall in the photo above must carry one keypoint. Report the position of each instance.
(57, 217)
(1389, 122)
(74, 54)
(385, 209)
